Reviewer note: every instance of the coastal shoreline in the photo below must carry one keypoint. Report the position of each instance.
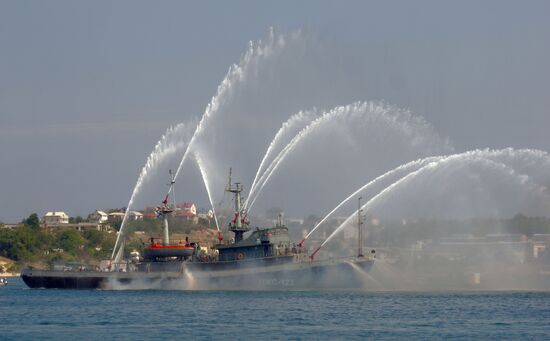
(10, 274)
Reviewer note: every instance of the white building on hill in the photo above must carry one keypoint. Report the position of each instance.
(135, 215)
(98, 217)
(116, 216)
(187, 207)
(55, 218)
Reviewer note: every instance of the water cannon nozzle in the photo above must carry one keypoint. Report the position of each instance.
(314, 252)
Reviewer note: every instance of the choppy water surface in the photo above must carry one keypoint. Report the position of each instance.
(94, 314)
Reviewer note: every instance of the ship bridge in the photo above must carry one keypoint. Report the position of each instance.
(261, 243)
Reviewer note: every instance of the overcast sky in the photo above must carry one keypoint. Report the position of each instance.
(88, 87)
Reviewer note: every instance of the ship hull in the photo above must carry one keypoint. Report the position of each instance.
(342, 274)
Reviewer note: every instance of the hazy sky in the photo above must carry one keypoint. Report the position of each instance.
(88, 87)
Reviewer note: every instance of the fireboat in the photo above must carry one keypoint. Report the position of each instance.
(265, 259)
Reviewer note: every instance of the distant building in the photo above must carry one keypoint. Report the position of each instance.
(206, 215)
(498, 246)
(90, 226)
(187, 211)
(116, 216)
(55, 218)
(98, 217)
(187, 207)
(135, 215)
(149, 212)
(296, 221)
(188, 216)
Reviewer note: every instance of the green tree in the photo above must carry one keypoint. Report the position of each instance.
(76, 220)
(18, 244)
(32, 221)
(70, 241)
(116, 224)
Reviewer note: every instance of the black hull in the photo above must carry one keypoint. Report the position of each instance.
(343, 274)
(56, 281)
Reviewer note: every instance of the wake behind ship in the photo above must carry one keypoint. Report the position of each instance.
(265, 259)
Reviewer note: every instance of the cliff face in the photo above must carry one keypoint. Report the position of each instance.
(7, 267)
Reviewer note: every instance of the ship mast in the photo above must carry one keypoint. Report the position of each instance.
(166, 209)
(239, 224)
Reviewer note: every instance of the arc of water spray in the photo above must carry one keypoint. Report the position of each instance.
(354, 108)
(237, 72)
(412, 175)
(401, 168)
(332, 114)
(419, 163)
(119, 254)
(206, 182)
(267, 174)
(292, 122)
(162, 149)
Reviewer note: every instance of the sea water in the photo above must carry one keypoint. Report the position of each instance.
(95, 314)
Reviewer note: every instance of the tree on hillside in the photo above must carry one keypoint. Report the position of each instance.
(527, 225)
(18, 244)
(32, 221)
(99, 243)
(76, 220)
(70, 240)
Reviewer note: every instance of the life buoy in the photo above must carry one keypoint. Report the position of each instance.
(240, 256)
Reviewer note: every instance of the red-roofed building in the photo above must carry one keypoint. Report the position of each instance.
(187, 207)
(187, 211)
(149, 214)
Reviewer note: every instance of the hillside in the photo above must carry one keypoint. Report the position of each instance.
(8, 267)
